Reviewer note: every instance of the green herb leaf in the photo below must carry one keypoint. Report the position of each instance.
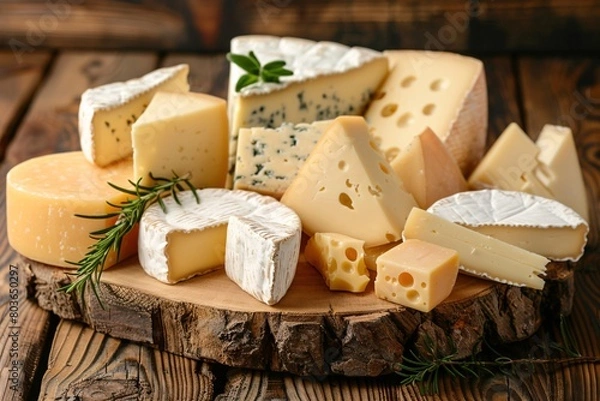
(274, 65)
(248, 64)
(245, 80)
(270, 72)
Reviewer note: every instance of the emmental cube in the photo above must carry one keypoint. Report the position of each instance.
(416, 274)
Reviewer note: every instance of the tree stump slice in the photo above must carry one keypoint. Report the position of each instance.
(312, 332)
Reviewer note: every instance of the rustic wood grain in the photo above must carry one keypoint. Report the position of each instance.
(87, 365)
(208, 73)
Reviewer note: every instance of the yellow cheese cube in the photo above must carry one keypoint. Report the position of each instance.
(416, 274)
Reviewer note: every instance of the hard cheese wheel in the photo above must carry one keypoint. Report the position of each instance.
(44, 194)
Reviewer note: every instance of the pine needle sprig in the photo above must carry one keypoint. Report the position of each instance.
(129, 213)
(255, 72)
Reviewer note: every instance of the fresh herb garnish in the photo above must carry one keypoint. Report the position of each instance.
(270, 72)
(129, 213)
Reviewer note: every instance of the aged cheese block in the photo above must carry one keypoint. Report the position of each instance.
(443, 91)
(329, 80)
(268, 159)
(346, 186)
(427, 169)
(43, 196)
(340, 260)
(107, 112)
(479, 254)
(540, 225)
(416, 274)
(182, 133)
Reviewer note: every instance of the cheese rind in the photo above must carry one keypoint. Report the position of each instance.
(444, 91)
(43, 196)
(269, 159)
(340, 260)
(107, 112)
(416, 274)
(540, 225)
(479, 254)
(185, 134)
(346, 179)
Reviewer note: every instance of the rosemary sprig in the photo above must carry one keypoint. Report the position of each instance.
(270, 72)
(128, 214)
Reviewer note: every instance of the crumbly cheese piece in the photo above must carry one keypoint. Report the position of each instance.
(346, 186)
(427, 169)
(540, 225)
(107, 112)
(182, 133)
(559, 168)
(444, 91)
(43, 196)
(262, 251)
(329, 80)
(268, 159)
(189, 239)
(416, 274)
(479, 254)
(340, 260)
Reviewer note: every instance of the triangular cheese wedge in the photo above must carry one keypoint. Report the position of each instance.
(427, 170)
(346, 186)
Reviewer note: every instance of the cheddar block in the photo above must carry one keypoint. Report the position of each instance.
(427, 169)
(185, 134)
(43, 196)
(479, 254)
(340, 260)
(416, 274)
(346, 186)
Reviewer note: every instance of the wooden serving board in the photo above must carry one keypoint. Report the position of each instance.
(312, 332)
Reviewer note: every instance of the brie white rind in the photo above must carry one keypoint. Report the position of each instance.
(189, 239)
(107, 112)
(537, 224)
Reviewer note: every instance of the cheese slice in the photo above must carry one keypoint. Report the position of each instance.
(340, 260)
(182, 133)
(540, 225)
(444, 91)
(427, 169)
(479, 254)
(43, 197)
(559, 168)
(107, 112)
(346, 186)
(189, 239)
(268, 159)
(262, 251)
(416, 274)
(330, 79)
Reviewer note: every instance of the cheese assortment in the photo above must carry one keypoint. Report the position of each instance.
(107, 112)
(182, 133)
(540, 225)
(268, 159)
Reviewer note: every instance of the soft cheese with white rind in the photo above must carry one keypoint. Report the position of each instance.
(189, 239)
(262, 251)
(540, 225)
(107, 112)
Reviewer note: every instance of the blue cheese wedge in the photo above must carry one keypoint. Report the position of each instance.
(107, 112)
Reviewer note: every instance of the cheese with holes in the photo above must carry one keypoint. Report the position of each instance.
(340, 260)
(43, 197)
(444, 91)
(329, 80)
(427, 170)
(416, 274)
(373, 252)
(268, 159)
(479, 254)
(540, 225)
(182, 133)
(107, 112)
(189, 239)
(559, 168)
(262, 251)
(346, 186)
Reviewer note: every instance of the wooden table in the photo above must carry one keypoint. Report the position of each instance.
(62, 360)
